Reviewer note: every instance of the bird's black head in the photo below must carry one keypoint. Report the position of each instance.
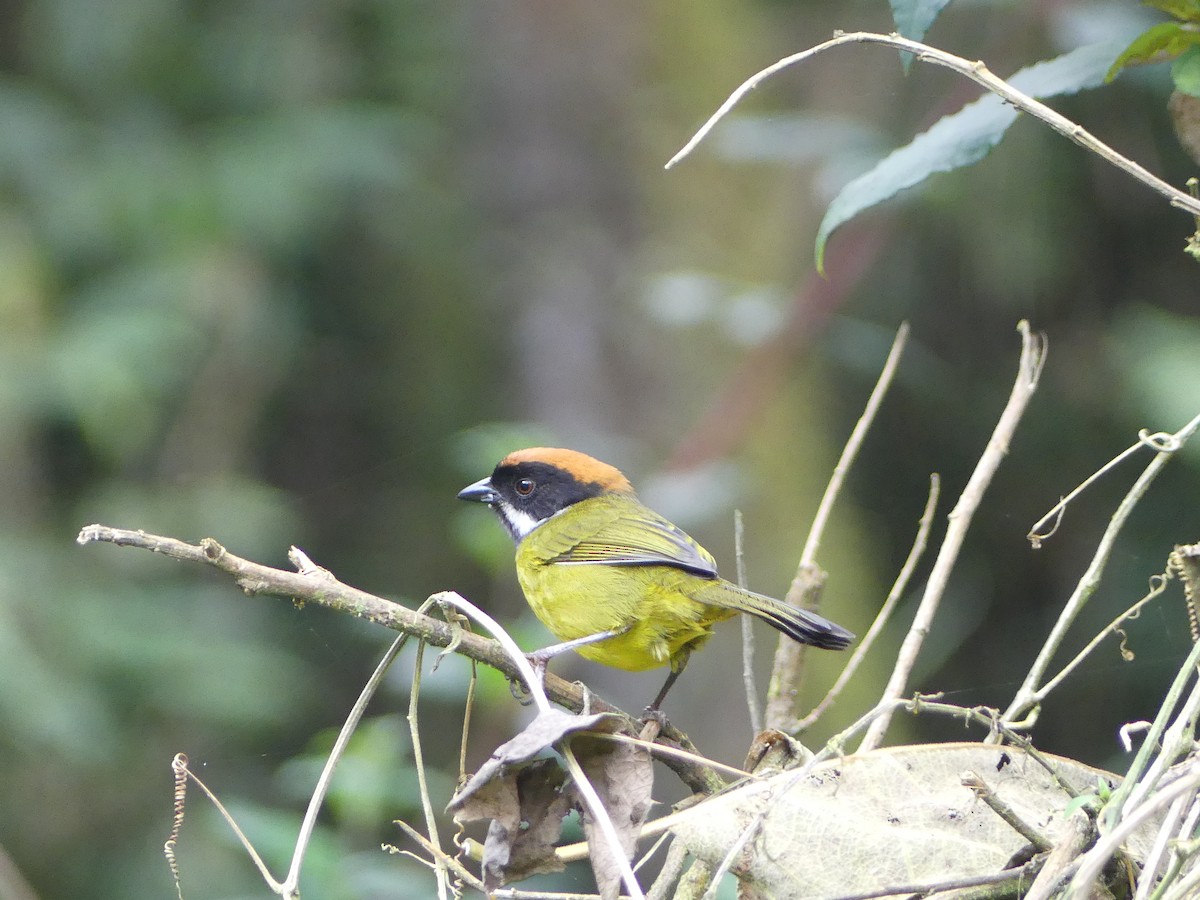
(530, 486)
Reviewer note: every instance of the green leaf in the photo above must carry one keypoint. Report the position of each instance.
(913, 17)
(1185, 71)
(964, 137)
(1156, 44)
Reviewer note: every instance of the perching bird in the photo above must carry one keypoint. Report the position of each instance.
(611, 578)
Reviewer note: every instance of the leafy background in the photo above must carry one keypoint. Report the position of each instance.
(295, 273)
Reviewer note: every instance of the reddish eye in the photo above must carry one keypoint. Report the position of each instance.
(525, 486)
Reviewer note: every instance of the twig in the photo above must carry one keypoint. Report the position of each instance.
(975, 783)
(668, 875)
(748, 679)
(787, 667)
(1033, 357)
(977, 72)
(1094, 861)
(292, 882)
(1077, 834)
(414, 730)
(1169, 742)
(1168, 838)
(885, 611)
(289, 887)
(925, 888)
(13, 884)
(735, 850)
(439, 855)
(1028, 696)
(180, 764)
(1036, 536)
(1158, 584)
(665, 750)
(316, 585)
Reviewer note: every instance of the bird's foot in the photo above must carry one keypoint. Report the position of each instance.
(653, 722)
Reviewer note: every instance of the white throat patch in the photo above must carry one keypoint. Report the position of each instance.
(518, 522)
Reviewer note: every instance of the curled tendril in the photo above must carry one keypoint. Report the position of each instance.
(179, 768)
(1160, 441)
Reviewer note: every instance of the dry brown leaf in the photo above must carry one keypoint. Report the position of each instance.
(524, 800)
(526, 805)
(623, 776)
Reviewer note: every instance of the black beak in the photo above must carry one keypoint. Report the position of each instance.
(481, 491)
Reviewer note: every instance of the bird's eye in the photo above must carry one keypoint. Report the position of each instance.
(525, 486)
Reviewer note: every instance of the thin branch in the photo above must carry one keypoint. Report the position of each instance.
(291, 884)
(439, 855)
(1158, 584)
(180, 764)
(414, 729)
(1036, 536)
(974, 782)
(748, 680)
(915, 553)
(926, 888)
(886, 375)
(1165, 743)
(1033, 357)
(1109, 843)
(13, 884)
(1025, 702)
(977, 72)
(806, 586)
(317, 585)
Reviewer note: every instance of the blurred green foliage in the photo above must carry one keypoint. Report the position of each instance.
(296, 273)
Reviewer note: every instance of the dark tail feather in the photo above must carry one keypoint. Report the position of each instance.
(798, 624)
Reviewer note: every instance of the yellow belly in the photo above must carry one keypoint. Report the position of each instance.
(575, 601)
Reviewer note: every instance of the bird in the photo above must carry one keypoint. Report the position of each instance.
(612, 579)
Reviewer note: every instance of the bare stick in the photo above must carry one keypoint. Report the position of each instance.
(414, 729)
(1158, 584)
(806, 586)
(316, 585)
(1033, 357)
(977, 72)
(974, 782)
(1028, 696)
(291, 884)
(748, 679)
(885, 611)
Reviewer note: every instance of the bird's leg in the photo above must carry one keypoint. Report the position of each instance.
(540, 658)
(677, 666)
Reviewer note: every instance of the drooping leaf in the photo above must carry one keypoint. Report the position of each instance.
(623, 777)
(1156, 44)
(526, 806)
(525, 800)
(913, 17)
(964, 137)
(538, 736)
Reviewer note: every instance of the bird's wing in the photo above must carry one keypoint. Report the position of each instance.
(644, 540)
